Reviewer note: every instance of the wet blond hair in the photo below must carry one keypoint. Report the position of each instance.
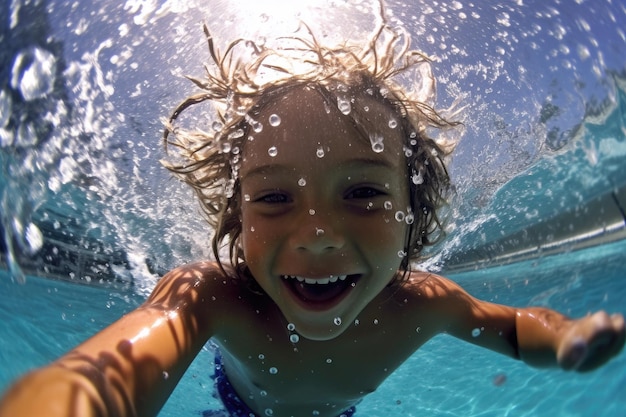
(239, 89)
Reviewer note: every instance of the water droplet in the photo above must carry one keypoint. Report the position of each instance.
(273, 370)
(344, 105)
(417, 178)
(294, 338)
(257, 126)
(272, 151)
(399, 216)
(217, 126)
(291, 327)
(376, 140)
(225, 147)
(274, 120)
(320, 152)
(337, 321)
(301, 182)
(476, 332)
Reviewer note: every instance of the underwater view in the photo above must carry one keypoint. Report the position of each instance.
(90, 219)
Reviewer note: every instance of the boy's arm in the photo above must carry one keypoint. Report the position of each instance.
(538, 336)
(131, 367)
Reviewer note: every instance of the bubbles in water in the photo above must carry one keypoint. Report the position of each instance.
(301, 182)
(476, 332)
(261, 356)
(329, 360)
(393, 123)
(272, 151)
(399, 216)
(34, 73)
(320, 152)
(319, 232)
(294, 338)
(263, 393)
(337, 321)
(312, 212)
(269, 412)
(387, 205)
(291, 327)
(274, 120)
(376, 139)
(273, 370)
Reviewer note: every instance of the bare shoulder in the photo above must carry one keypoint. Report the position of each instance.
(433, 287)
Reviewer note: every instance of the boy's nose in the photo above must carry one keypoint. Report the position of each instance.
(318, 233)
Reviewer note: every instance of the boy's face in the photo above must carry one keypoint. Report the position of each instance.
(319, 232)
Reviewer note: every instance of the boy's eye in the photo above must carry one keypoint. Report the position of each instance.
(273, 198)
(363, 192)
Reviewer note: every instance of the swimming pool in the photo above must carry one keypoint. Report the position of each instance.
(44, 318)
(84, 199)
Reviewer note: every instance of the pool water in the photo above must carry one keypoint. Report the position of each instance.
(44, 318)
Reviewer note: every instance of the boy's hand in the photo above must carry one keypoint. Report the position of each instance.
(591, 341)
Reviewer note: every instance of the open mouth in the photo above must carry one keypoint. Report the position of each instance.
(320, 290)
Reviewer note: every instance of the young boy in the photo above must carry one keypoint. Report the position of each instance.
(325, 187)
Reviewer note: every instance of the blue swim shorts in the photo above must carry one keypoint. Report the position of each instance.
(235, 407)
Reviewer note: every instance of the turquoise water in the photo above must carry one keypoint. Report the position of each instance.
(44, 318)
(92, 219)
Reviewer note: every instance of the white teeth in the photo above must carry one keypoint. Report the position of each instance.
(319, 281)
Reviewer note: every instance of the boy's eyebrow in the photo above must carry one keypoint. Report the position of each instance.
(353, 164)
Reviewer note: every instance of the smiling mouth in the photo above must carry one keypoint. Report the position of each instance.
(320, 291)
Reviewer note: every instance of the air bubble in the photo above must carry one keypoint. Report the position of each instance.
(269, 412)
(320, 152)
(291, 327)
(263, 393)
(344, 106)
(329, 360)
(311, 212)
(257, 126)
(409, 219)
(476, 332)
(393, 123)
(272, 151)
(376, 140)
(225, 147)
(217, 126)
(301, 182)
(337, 321)
(273, 370)
(261, 356)
(274, 120)
(387, 205)
(294, 338)
(399, 216)
(319, 232)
